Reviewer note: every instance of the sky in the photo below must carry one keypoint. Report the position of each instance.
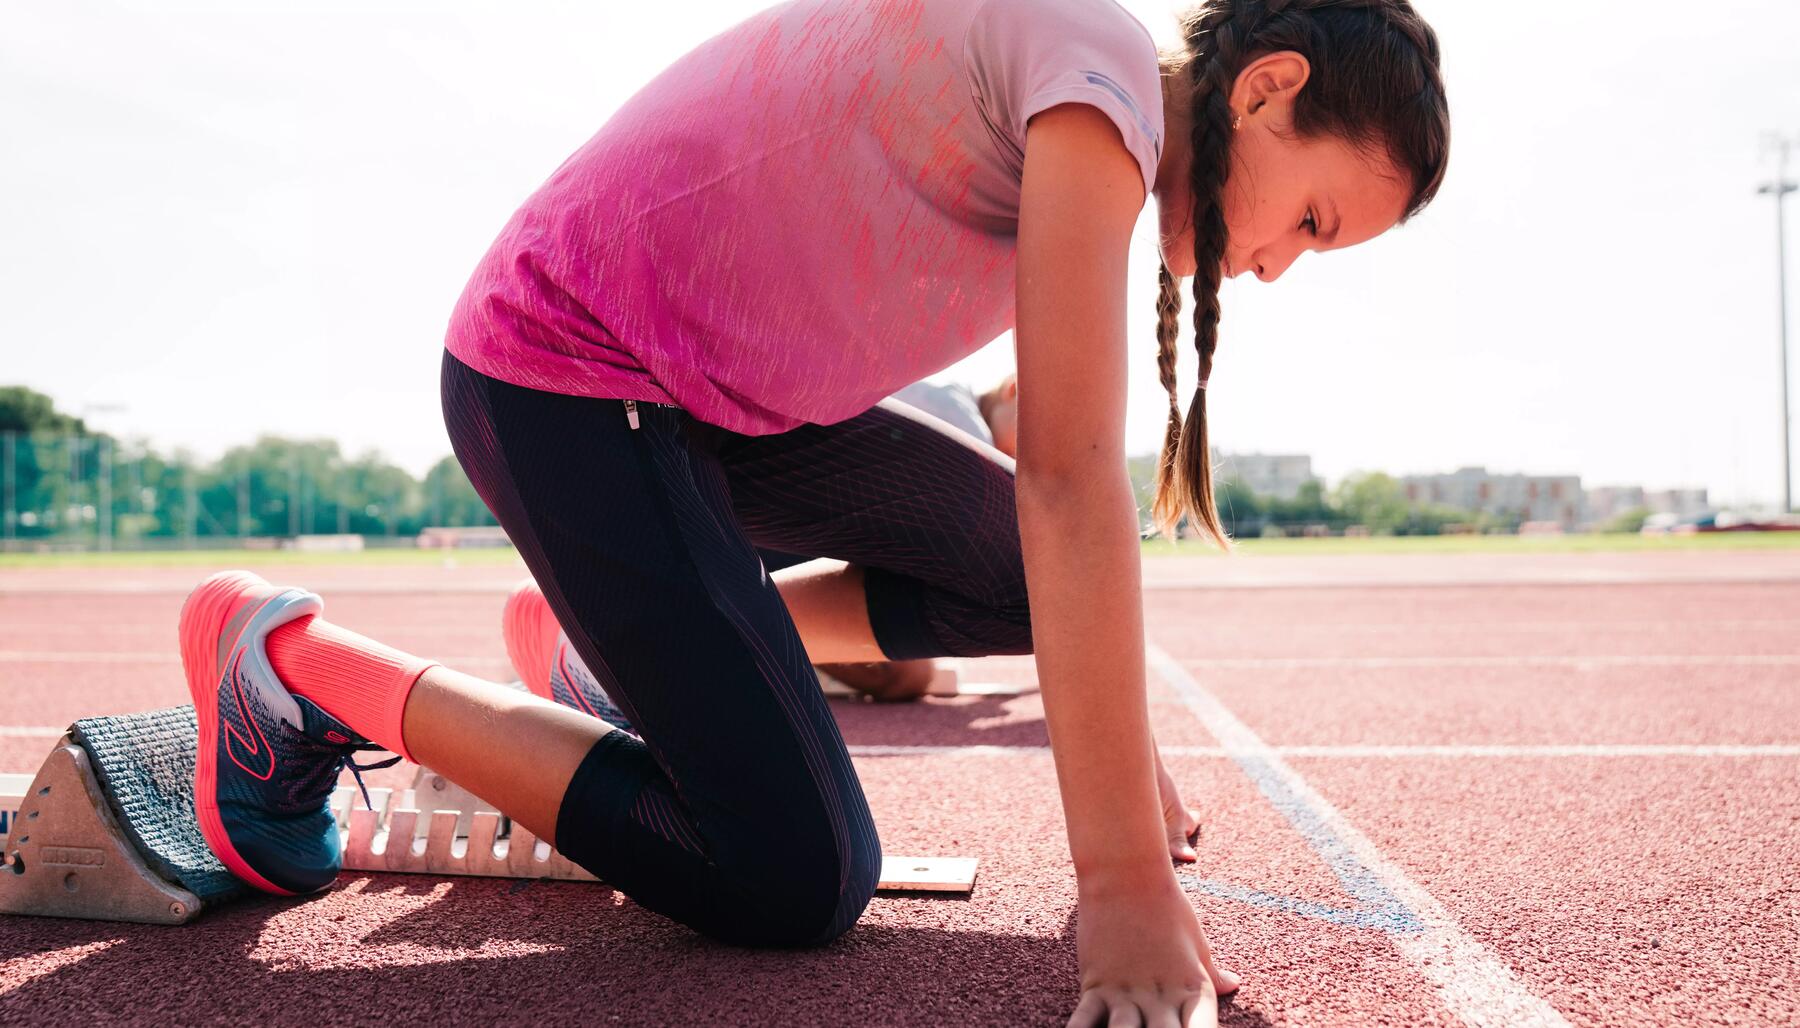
(219, 220)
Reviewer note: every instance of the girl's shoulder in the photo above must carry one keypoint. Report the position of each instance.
(1026, 56)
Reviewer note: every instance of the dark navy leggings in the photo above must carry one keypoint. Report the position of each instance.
(734, 808)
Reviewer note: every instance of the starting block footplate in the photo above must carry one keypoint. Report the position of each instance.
(106, 830)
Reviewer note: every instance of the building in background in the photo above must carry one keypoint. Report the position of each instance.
(1278, 476)
(1539, 498)
(1607, 502)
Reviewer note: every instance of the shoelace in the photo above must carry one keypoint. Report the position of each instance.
(344, 751)
(356, 771)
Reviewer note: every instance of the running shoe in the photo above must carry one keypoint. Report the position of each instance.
(547, 663)
(268, 759)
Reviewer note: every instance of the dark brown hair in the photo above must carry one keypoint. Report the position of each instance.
(1375, 83)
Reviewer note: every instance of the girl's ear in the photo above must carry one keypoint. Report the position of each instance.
(1268, 86)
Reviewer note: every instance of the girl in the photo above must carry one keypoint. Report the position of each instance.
(673, 355)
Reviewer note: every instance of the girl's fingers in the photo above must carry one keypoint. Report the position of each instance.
(1220, 981)
(1125, 1014)
(1201, 1011)
(1090, 1012)
(1164, 1014)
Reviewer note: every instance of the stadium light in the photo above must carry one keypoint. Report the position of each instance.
(1779, 189)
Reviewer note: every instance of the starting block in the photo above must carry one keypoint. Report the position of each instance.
(947, 681)
(106, 830)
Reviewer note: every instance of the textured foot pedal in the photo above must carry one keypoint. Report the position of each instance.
(115, 811)
(67, 855)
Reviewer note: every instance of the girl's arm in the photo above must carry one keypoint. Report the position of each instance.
(1138, 940)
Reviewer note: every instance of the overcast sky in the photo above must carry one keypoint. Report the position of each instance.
(247, 217)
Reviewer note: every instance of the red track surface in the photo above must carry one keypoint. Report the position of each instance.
(1442, 790)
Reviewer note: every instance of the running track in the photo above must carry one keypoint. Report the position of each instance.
(1480, 790)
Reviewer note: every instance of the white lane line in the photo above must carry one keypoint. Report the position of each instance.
(31, 731)
(1574, 661)
(1379, 752)
(19, 590)
(1354, 752)
(169, 656)
(1530, 751)
(949, 751)
(1344, 583)
(1473, 982)
(1414, 626)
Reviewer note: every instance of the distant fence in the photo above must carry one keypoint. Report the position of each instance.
(64, 491)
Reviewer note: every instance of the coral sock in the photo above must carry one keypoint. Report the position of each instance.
(356, 680)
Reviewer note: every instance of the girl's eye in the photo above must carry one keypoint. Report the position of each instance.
(1311, 224)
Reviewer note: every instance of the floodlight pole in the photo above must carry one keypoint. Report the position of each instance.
(1779, 189)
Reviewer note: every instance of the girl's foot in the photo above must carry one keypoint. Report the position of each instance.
(894, 681)
(546, 662)
(267, 759)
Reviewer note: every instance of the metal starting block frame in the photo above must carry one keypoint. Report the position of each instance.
(67, 855)
(67, 852)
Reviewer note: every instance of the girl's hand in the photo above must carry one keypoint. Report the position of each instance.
(1144, 960)
(1181, 821)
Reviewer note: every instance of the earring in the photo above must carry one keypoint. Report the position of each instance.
(1237, 123)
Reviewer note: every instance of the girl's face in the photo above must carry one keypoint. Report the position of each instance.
(1286, 195)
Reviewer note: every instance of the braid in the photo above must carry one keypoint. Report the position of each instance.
(1390, 90)
(1168, 333)
(1219, 31)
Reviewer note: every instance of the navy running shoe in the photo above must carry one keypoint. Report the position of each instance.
(268, 760)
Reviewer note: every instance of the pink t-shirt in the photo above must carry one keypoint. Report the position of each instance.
(803, 214)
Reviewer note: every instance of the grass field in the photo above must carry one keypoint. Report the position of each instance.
(1446, 544)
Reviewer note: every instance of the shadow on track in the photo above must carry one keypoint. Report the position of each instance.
(400, 950)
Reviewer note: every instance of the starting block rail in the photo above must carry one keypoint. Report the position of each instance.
(105, 830)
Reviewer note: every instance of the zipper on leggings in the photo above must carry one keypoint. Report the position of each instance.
(631, 417)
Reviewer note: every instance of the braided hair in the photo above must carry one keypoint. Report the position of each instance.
(1375, 83)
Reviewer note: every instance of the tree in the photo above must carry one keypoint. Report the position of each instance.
(450, 499)
(27, 410)
(1240, 510)
(43, 463)
(1374, 500)
(1309, 507)
(1630, 522)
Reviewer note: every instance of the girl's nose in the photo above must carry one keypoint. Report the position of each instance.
(1271, 266)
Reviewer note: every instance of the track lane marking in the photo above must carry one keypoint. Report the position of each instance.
(1380, 752)
(1471, 980)
(1207, 663)
(1360, 752)
(158, 657)
(1571, 660)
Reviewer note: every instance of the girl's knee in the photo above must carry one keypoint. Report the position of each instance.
(797, 902)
